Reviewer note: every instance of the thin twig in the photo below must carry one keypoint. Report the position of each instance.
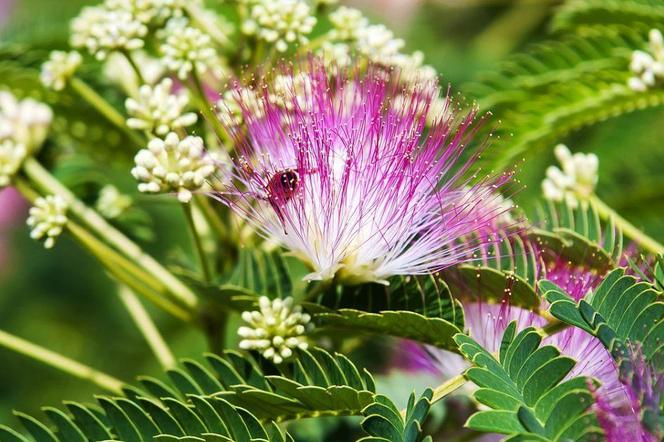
(60, 362)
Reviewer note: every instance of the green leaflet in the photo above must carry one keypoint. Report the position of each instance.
(383, 420)
(580, 13)
(79, 127)
(621, 310)
(257, 273)
(524, 390)
(230, 399)
(495, 285)
(419, 308)
(568, 85)
(578, 235)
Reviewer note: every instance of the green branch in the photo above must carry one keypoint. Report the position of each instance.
(198, 244)
(147, 327)
(46, 183)
(607, 213)
(103, 107)
(60, 362)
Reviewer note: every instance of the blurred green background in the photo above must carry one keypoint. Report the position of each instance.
(63, 300)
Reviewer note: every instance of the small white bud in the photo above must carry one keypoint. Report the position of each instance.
(575, 181)
(47, 219)
(157, 110)
(276, 329)
(280, 22)
(186, 48)
(58, 70)
(173, 165)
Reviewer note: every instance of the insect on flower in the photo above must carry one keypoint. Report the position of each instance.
(357, 189)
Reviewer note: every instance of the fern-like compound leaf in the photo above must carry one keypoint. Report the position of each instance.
(526, 391)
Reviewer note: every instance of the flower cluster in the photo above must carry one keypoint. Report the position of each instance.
(25, 121)
(11, 158)
(276, 330)
(280, 22)
(186, 49)
(356, 189)
(643, 385)
(59, 69)
(173, 165)
(47, 219)
(648, 67)
(101, 30)
(347, 23)
(229, 107)
(150, 12)
(577, 179)
(376, 42)
(158, 110)
(111, 203)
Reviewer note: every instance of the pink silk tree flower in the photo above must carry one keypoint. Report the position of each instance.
(357, 189)
(486, 324)
(638, 418)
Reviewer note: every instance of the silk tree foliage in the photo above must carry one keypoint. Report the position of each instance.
(344, 220)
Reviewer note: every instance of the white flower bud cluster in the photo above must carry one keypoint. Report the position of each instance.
(157, 110)
(376, 42)
(286, 88)
(151, 12)
(26, 121)
(59, 68)
(648, 67)
(102, 30)
(281, 22)
(111, 203)
(276, 330)
(577, 179)
(11, 158)
(230, 111)
(47, 219)
(335, 55)
(186, 48)
(173, 165)
(347, 22)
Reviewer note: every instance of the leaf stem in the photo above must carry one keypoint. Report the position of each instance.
(103, 107)
(198, 244)
(627, 228)
(47, 183)
(147, 327)
(445, 389)
(134, 66)
(60, 362)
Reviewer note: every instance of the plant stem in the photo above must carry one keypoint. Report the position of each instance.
(198, 244)
(213, 218)
(448, 387)
(626, 227)
(60, 362)
(45, 182)
(127, 272)
(104, 108)
(206, 109)
(147, 327)
(445, 389)
(134, 66)
(118, 265)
